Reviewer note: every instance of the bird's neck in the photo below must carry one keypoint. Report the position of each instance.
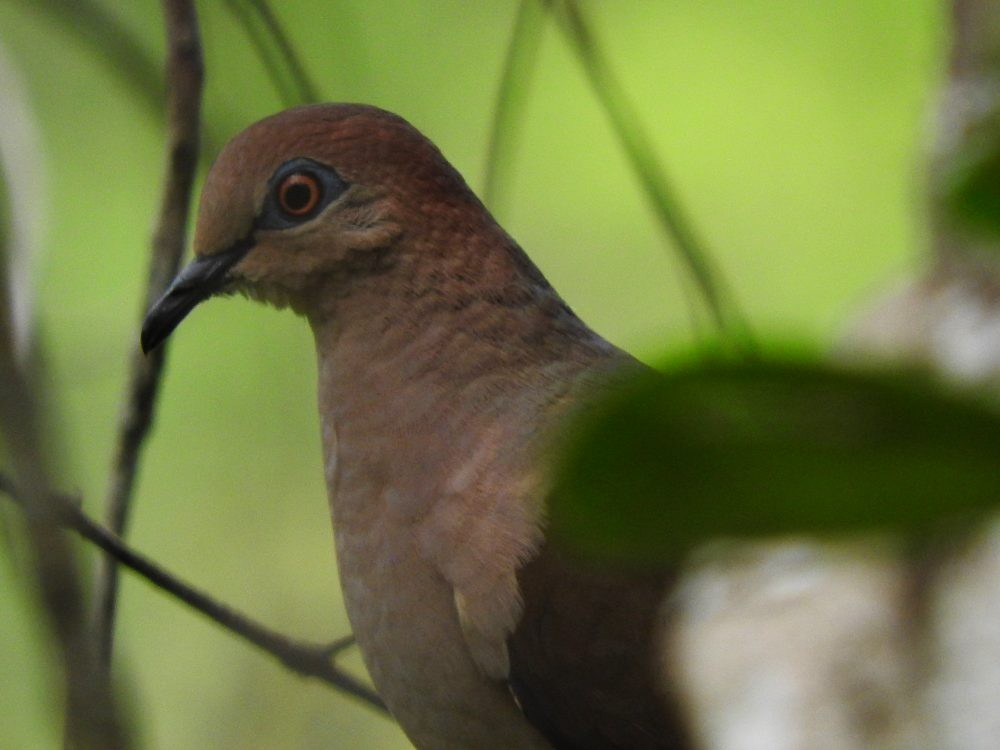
(416, 364)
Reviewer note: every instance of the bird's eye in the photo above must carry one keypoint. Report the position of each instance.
(299, 193)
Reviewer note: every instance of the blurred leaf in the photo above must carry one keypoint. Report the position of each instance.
(768, 449)
(974, 185)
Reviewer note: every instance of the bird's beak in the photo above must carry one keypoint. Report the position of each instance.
(196, 282)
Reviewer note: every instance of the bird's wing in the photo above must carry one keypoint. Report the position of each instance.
(578, 647)
(585, 663)
(478, 552)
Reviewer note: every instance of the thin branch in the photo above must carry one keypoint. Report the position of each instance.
(127, 58)
(184, 82)
(275, 50)
(508, 113)
(102, 30)
(92, 721)
(307, 89)
(307, 659)
(652, 176)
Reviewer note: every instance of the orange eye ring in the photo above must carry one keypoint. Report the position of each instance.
(299, 193)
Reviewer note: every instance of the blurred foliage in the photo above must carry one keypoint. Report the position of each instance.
(771, 448)
(973, 181)
(791, 129)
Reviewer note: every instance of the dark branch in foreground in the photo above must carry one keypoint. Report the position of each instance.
(184, 82)
(308, 659)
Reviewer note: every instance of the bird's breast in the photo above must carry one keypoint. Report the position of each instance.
(403, 613)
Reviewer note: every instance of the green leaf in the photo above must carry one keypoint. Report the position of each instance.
(755, 450)
(973, 183)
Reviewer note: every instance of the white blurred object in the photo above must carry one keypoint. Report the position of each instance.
(21, 169)
(949, 321)
(795, 646)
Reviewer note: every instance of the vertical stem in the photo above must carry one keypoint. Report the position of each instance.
(276, 52)
(184, 72)
(91, 719)
(718, 299)
(518, 67)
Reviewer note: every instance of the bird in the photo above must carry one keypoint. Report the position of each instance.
(447, 368)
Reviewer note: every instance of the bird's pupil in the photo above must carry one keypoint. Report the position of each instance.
(298, 196)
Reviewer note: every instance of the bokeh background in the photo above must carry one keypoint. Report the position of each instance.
(794, 133)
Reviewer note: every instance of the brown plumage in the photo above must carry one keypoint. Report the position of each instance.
(446, 363)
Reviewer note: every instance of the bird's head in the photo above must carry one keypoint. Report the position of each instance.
(310, 199)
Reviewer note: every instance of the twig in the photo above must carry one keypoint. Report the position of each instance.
(307, 89)
(92, 722)
(184, 81)
(519, 64)
(127, 59)
(307, 659)
(275, 50)
(652, 176)
(96, 26)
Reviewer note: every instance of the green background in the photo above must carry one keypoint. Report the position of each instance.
(794, 132)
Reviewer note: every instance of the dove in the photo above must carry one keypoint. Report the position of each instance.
(447, 368)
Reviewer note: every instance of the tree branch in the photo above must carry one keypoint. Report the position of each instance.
(184, 69)
(519, 65)
(307, 659)
(276, 52)
(718, 298)
(184, 83)
(92, 720)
